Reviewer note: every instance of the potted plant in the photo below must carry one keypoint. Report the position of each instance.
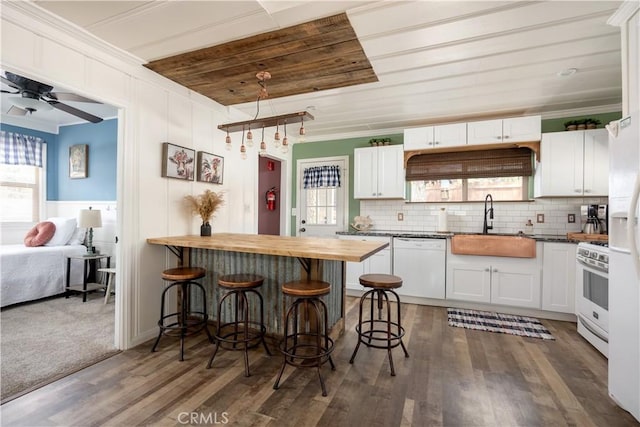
(571, 125)
(205, 205)
(592, 123)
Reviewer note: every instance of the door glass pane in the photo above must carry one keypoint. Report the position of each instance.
(321, 206)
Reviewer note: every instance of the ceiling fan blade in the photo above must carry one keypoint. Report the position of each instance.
(11, 93)
(16, 111)
(67, 96)
(9, 83)
(71, 110)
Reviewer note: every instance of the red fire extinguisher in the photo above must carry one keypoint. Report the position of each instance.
(270, 197)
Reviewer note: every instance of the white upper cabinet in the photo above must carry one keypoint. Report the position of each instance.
(517, 129)
(379, 172)
(573, 163)
(435, 136)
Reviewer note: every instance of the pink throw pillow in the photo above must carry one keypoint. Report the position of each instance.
(40, 234)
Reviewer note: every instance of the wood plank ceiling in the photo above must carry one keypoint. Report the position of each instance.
(318, 55)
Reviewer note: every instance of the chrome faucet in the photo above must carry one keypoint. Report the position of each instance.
(486, 227)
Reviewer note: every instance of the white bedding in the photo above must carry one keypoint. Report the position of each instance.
(31, 273)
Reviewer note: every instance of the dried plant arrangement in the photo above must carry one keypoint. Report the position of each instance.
(205, 204)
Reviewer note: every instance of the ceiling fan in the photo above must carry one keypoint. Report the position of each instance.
(36, 96)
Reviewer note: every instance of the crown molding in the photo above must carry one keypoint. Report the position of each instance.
(624, 13)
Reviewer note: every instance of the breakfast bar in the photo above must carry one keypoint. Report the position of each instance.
(278, 259)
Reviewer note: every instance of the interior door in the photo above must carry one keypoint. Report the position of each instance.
(323, 211)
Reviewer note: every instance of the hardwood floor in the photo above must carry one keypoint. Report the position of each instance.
(453, 377)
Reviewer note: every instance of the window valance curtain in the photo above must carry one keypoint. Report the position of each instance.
(19, 149)
(470, 164)
(321, 176)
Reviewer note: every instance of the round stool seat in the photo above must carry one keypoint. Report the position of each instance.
(184, 273)
(240, 281)
(380, 281)
(306, 288)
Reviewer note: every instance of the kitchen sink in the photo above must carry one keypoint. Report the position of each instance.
(493, 245)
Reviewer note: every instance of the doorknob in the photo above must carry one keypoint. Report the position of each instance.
(303, 221)
(302, 230)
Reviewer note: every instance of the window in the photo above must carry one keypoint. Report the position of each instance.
(19, 193)
(470, 175)
(321, 206)
(471, 189)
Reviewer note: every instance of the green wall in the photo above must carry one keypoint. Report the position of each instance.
(344, 147)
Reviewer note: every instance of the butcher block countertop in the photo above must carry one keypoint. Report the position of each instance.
(300, 247)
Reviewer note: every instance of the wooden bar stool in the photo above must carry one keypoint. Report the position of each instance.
(187, 321)
(307, 344)
(239, 287)
(382, 332)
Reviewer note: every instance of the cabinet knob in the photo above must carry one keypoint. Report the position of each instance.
(437, 142)
(487, 269)
(495, 270)
(431, 143)
(506, 137)
(499, 137)
(373, 194)
(379, 194)
(587, 191)
(577, 190)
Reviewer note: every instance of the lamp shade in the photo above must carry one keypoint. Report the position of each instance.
(90, 218)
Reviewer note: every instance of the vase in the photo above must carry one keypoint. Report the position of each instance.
(205, 229)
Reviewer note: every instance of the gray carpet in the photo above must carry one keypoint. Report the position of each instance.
(44, 341)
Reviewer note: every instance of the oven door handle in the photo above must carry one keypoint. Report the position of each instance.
(590, 329)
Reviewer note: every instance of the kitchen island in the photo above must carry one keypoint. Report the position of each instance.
(278, 259)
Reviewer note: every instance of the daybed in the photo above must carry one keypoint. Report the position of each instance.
(30, 273)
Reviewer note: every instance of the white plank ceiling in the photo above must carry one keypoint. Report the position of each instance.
(436, 61)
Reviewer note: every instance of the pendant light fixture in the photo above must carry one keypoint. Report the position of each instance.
(263, 77)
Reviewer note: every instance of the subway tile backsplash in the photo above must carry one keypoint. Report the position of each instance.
(509, 217)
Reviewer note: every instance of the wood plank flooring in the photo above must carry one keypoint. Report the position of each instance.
(453, 377)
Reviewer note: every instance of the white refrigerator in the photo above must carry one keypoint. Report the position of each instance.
(624, 263)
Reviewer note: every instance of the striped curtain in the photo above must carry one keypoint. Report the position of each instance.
(322, 176)
(19, 149)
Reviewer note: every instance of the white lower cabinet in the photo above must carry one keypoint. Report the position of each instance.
(495, 280)
(379, 262)
(559, 277)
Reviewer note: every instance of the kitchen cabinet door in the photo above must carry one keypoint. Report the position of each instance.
(450, 135)
(469, 282)
(559, 277)
(515, 286)
(484, 132)
(516, 129)
(418, 138)
(596, 162)
(574, 163)
(522, 129)
(365, 185)
(560, 172)
(379, 172)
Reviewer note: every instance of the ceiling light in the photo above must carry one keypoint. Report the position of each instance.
(297, 117)
(567, 72)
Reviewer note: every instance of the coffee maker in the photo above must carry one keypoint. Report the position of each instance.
(594, 219)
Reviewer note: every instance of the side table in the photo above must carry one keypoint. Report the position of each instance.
(88, 268)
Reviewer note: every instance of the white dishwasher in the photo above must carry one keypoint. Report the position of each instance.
(421, 263)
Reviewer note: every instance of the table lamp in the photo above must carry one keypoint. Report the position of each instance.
(90, 219)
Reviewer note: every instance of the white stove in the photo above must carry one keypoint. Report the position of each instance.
(592, 293)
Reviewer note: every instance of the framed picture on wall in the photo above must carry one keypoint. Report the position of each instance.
(177, 161)
(78, 161)
(210, 168)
